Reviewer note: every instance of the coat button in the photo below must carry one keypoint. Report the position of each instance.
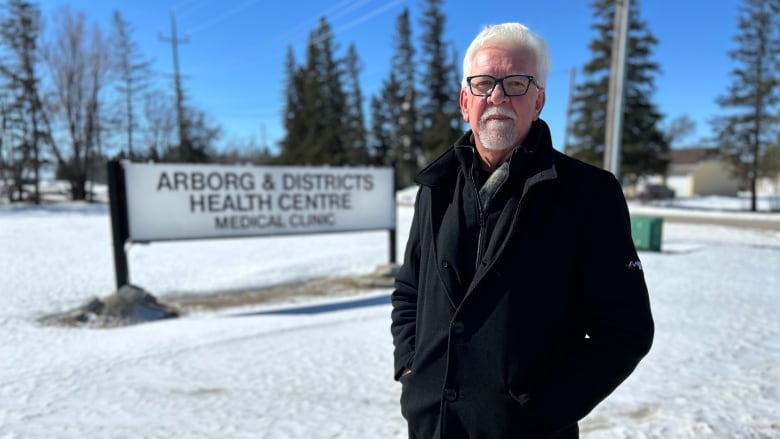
(458, 327)
(450, 394)
(445, 265)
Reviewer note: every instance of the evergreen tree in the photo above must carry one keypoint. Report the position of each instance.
(331, 141)
(644, 147)
(395, 120)
(198, 145)
(752, 93)
(354, 123)
(24, 118)
(381, 153)
(313, 106)
(319, 115)
(439, 111)
(409, 148)
(292, 146)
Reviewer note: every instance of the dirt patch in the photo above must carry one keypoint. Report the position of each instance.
(132, 305)
(278, 294)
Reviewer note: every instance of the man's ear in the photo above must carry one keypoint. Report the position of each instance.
(540, 100)
(464, 104)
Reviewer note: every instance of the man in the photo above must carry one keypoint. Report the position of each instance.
(521, 302)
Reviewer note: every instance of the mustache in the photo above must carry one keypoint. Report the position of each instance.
(496, 111)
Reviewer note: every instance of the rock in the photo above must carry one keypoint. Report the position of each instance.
(129, 305)
(134, 303)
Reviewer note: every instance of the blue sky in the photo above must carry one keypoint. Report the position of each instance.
(234, 57)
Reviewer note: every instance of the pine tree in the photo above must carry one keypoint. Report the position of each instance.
(395, 126)
(354, 122)
(409, 148)
(752, 94)
(202, 133)
(381, 147)
(644, 147)
(312, 105)
(331, 142)
(440, 114)
(319, 115)
(292, 146)
(25, 120)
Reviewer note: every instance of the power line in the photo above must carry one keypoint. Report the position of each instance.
(223, 16)
(187, 8)
(333, 13)
(343, 8)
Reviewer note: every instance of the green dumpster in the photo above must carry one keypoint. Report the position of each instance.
(646, 232)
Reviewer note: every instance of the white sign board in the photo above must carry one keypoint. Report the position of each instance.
(168, 201)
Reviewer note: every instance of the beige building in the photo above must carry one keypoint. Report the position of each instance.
(699, 172)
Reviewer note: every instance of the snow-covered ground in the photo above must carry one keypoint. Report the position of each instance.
(713, 372)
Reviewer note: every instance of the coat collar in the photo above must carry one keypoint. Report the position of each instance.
(535, 151)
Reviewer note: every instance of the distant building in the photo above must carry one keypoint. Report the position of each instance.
(699, 172)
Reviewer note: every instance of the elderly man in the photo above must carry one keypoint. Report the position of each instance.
(521, 303)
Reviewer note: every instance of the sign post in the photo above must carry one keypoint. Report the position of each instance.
(119, 230)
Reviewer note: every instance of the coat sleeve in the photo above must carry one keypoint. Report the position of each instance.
(615, 313)
(404, 298)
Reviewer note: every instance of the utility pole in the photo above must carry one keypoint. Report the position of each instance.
(184, 143)
(569, 103)
(614, 125)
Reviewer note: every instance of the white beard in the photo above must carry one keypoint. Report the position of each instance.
(498, 134)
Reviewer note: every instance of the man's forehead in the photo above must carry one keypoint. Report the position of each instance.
(505, 56)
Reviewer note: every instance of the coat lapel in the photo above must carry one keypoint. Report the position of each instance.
(440, 176)
(507, 225)
(444, 240)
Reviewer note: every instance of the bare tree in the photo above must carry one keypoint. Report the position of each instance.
(133, 72)
(161, 124)
(679, 128)
(79, 64)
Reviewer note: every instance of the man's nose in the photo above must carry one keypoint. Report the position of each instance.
(498, 96)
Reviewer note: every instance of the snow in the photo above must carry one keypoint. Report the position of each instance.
(714, 370)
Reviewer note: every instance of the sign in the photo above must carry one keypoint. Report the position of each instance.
(169, 201)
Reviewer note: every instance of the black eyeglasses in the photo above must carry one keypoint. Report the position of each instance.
(513, 85)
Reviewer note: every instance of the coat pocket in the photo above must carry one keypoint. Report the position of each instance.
(420, 402)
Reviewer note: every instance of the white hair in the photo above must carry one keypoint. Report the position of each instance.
(515, 34)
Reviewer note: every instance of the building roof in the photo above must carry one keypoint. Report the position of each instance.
(689, 156)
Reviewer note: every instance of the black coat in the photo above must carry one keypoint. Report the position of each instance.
(551, 319)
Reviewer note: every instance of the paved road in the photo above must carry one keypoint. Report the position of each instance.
(771, 222)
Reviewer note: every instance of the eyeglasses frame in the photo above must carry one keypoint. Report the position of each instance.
(531, 80)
